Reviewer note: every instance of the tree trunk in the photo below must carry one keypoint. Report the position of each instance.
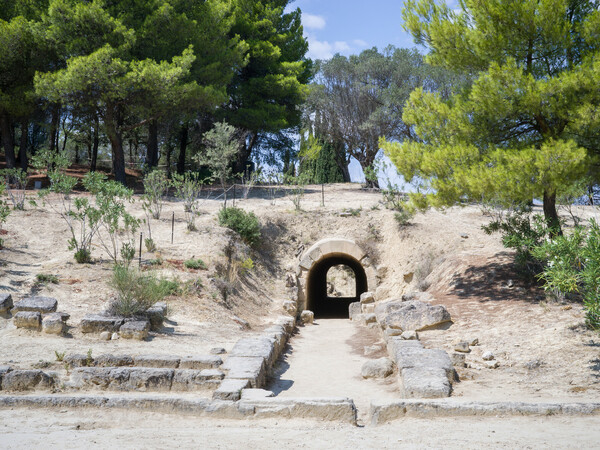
(95, 144)
(168, 156)
(183, 141)
(550, 214)
(7, 141)
(23, 162)
(112, 123)
(244, 153)
(54, 128)
(77, 161)
(152, 148)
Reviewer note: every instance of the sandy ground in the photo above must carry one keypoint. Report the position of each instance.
(92, 428)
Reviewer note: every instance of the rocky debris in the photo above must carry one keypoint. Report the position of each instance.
(3, 371)
(114, 336)
(78, 360)
(354, 309)
(464, 235)
(372, 349)
(473, 342)
(28, 319)
(290, 307)
(458, 359)
(251, 369)
(411, 315)
(53, 324)
(493, 364)
(156, 315)
(425, 382)
(6, 303)
(105, 336)
(40, 304)
(109, 360)
(409, 335)
(462, 346)
(254, 394)
(157, 361)
(417, 295)
(367, 297)
(307, 317)
(96, 323)
(217, 351)
(367, 308)
(534, 364)
(200, 362)
(135, 329)
(25, 380)
(290, 280)
(189, 379)
(377, 368)
(487, 356)
(391, 332)
(231, 389)
(365, 319)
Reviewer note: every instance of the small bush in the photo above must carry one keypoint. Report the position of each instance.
(402, 217)
(45, 278)
(136, 292)
(247, 265)
(155, 262)
(195, 264)
(82, 256)
(243, 223)
(150, 245)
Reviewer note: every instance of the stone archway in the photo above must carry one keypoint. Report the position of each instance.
(312, 275)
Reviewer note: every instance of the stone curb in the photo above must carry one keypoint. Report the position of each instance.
(328, 409)
(383, 412)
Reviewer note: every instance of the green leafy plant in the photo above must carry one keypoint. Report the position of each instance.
(4, 213)
(297, 190)
(188, 188)
(16, 181)
(150, 244)
(45, 278)
(195, 264)
(247, 265)
(243, 223)
(155, 187)
(89, 361)
(59, 355)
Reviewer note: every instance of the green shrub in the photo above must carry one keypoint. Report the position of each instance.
(136, 292)
(243, 223)
(195, 264)
(82, 256)
(45, 278)
(155, 186)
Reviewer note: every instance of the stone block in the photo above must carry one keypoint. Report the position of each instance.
(40, 304)
(25, 380)
(307, 317)
(377, 368)
(367, 308)
(458, 359)
(230, 389)
(200, 362)
(262, 347)
(99, 378)
(149, 379)
(108, 360)
(156, 314)
(78, 360)
(6, 303)
(191, 380)
(252, 369)
(425, 382)
(462, 346)
(135, 329)
(407, 357)
(28, 319)
(367, 297)
(290, 307)
(256, 394)
(354, 310)
(411, 315)
(408, 335)
(288, 323)
(53, 324)
(159, 361)
(96, 323)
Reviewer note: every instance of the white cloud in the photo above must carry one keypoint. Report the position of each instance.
(341, 46)
(313, 22)
(360, 43)
(319, 49)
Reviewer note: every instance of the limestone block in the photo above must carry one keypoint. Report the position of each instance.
(230, 389)
(307, 317)
(150, 379)
(105, 336)
(78, 360)
(365, 319)
(367, 297)
(262, 347)
(354, 310)
(462, 346)
(425, 382)
(286, 322)
(39, 304)
(407, 357)
(190, 379)
(217, 351)
(109, 360)
(96, 323)
(252, 369)
(156, 314)
(408, 335)
(200, 362)
(53, 324)
(135, 329)
(367, 308)
(277, 332)
(458, 359)
(488, 356)
(168, 361)
(290, 307)
(99, 377)
(28, 319)
(414, 315)
(6, 303)
(25, 380)
(256, 394)
(377, 368)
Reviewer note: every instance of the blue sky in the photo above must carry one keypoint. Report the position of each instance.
(348, 27)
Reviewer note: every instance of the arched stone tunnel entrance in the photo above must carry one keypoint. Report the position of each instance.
(316, 263)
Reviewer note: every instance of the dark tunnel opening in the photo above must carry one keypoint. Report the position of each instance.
(317, 298)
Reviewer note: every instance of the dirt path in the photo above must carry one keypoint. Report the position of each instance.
(325, 360)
